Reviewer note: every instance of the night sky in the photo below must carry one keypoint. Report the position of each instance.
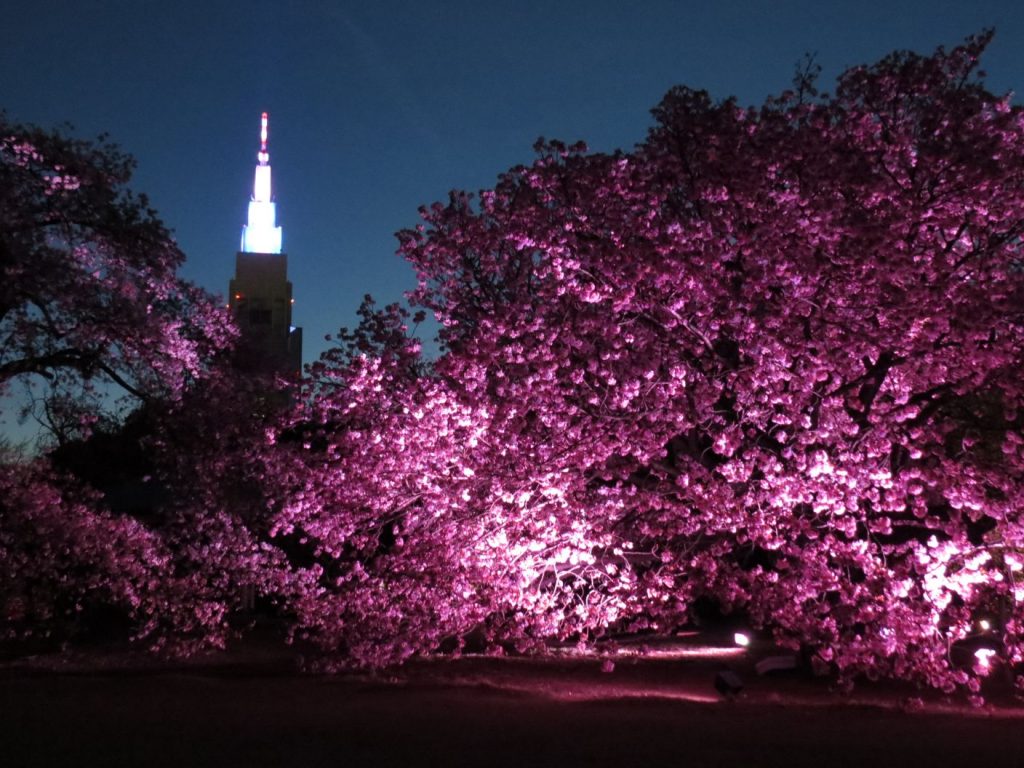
(379, 107)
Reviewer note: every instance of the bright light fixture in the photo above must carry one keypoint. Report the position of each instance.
(983, 658)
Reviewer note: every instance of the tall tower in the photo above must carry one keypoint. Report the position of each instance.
(260, 295)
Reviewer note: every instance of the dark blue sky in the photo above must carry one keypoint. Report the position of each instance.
(378, 107)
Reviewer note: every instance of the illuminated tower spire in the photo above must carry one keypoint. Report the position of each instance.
(260, 295)
(261, 234)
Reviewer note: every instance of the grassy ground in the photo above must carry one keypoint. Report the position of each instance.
(254, 709)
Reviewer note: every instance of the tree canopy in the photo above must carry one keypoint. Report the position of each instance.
(131, 521)
(90, 302)
(769, 358)
(768, 361)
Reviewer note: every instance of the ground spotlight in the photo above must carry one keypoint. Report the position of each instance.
(728, 683)
(983, 660)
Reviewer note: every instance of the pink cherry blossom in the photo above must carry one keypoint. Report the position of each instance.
(770, 358)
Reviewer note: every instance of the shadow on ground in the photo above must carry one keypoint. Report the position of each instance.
(255, 709)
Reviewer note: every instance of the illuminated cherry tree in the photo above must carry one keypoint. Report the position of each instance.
(90, 305)
(95, 323)
(769, 358)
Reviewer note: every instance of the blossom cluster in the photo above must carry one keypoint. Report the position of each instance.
(768, 359)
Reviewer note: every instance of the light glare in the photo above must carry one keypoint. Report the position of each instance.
(983, 658)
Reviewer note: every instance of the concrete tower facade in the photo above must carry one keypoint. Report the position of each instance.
(260, 295)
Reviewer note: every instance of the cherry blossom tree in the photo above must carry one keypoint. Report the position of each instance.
(769, 358)
(96, 322)
(90, 303)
